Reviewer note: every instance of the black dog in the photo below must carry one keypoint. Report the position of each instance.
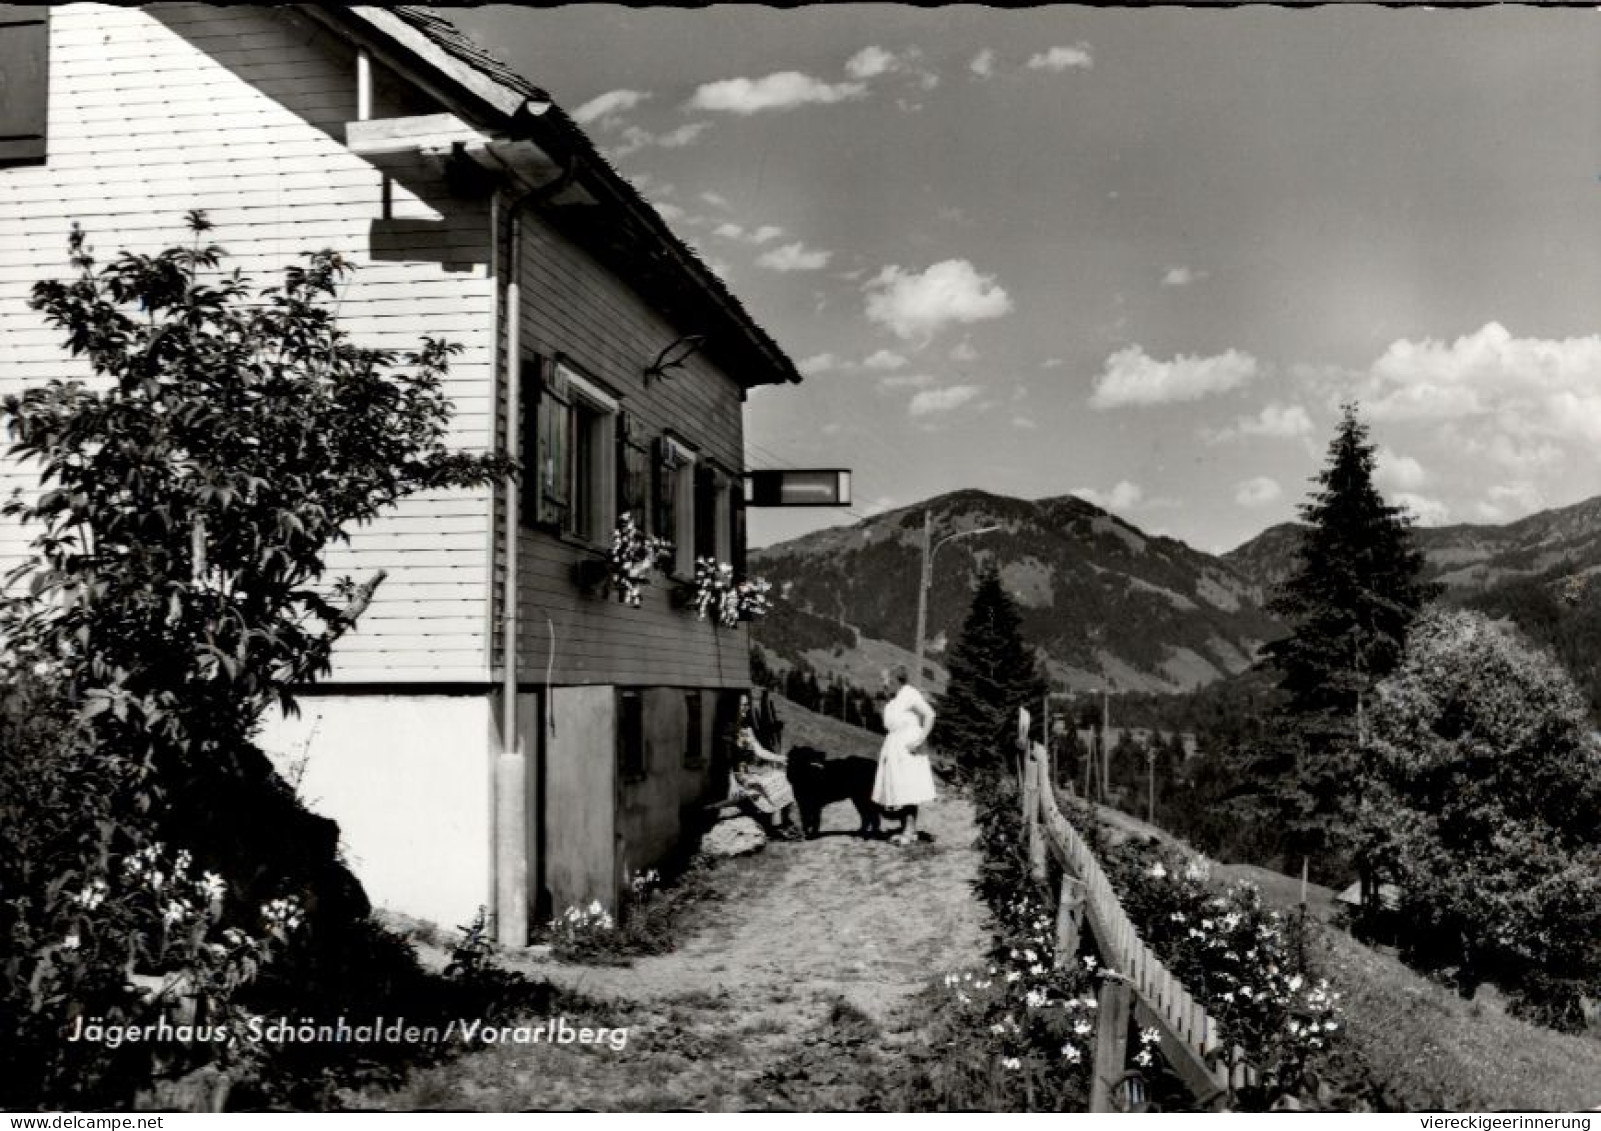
(819, 780)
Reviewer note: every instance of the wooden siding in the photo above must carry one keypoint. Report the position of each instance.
(241, 112)
(573, 306)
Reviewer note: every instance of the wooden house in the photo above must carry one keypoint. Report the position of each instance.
(496, 732)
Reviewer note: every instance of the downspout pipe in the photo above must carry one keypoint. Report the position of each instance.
(511, 764)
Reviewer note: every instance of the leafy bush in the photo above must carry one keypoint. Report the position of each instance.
(189, 495)
(1486, 813)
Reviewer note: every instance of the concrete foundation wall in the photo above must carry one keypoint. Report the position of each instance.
(408, 779)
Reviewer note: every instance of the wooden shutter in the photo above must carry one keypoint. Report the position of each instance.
(736, 525)
(665, 488)
(552, 483)
(633, 471)
(24, 82)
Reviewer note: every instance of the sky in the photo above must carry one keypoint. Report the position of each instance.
(1138, 255)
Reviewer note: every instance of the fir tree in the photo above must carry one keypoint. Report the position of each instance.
(1354, 594)
(1355, 591)
(992, 673)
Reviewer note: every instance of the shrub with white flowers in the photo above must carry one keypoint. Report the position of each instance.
(632, 557)
(580, 927)
(1241, 959)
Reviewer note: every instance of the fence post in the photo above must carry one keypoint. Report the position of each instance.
(1111, 1043)
(1033, 783)
(1069, 920)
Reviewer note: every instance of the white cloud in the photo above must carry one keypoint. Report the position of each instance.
(686, 134)
(1063, 58)
(1428, 511)
(942, 400)
(668, 211)
(964, 351)
(1052, 363)
(883, 359)
(728, 230)
(983, 64)
(1182, 276)
(605, 109)
(906, 381)
(912, 304)
(1275, 421)
(1396, 472)
(1132, 377)
(784, 90)
(1124, 496)
(634, 138)
(795, 257)
(1510, 500)
(1258, 491)
(1027, 423)
(1541, 387)
(715, 199)
(766, 232)
(870, 62)
(817, 363)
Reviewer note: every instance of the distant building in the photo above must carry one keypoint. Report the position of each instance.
(493, 733)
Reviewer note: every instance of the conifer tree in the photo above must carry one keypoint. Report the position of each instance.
(1355, 590)
(993, 672)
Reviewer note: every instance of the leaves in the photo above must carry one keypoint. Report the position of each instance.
(231, 437)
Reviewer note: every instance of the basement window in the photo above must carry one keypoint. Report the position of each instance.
(632, 759)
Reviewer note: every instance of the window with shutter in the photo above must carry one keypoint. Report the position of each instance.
(24, 83)
(706, 512)
(675, 502)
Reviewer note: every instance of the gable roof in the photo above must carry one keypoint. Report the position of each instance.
(630, 234)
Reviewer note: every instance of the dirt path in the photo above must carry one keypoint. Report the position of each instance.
(794, 991)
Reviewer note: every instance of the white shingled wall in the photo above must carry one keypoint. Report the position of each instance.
(241, 112)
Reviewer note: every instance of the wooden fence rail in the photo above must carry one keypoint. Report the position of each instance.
(1190, 1038)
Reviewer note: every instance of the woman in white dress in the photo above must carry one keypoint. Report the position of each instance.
(905, 779)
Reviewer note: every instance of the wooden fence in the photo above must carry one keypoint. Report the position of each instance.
(1137, 980)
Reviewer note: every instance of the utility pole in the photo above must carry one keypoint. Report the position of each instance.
(926, 577)
(1150, 785)
(1106, 745)
(922, 593)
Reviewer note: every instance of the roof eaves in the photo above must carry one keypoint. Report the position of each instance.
(439, 44)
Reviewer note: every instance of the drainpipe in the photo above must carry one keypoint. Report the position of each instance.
(511, 764)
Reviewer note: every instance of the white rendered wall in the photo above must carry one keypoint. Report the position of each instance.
(408, 779)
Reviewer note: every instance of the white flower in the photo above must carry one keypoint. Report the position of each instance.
(1089, 962)
(1295, 983)
(1083, 1028)
(1150, 1036)
(1011, 1063)
(1071, 1054)
(1036, 999)
(1012, 976)
(211, 886)
(175, 913)
(72, 941)
(1030, 956)
(93, 895)
(1158, 872)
